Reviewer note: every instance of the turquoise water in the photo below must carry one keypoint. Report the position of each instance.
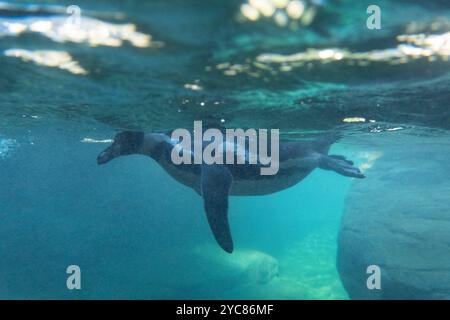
(135, 232)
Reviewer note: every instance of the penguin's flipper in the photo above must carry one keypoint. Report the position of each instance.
(215, 183)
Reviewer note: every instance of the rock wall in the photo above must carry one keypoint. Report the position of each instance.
(398, 218)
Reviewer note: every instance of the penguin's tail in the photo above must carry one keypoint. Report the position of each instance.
(341, 165)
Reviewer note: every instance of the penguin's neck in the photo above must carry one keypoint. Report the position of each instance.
(150, 144)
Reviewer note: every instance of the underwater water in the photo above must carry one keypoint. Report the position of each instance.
(157, 65)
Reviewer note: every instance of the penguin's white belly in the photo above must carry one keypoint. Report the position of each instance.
(241, 187)
(271, 184)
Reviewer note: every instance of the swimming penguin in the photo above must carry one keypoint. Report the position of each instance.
(216, 182)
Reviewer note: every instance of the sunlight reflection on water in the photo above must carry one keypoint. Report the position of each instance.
(6, 146)
(90, 31)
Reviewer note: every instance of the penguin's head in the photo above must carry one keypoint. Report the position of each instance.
(125, 143)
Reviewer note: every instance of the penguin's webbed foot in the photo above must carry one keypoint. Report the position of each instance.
(341, 165)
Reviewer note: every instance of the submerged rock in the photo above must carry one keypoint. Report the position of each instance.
(399, 219)
(209, 272)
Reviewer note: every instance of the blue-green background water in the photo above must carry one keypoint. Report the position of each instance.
(131, 229)
(135, 232)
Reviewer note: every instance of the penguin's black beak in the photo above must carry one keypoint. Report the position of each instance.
(106, 156)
